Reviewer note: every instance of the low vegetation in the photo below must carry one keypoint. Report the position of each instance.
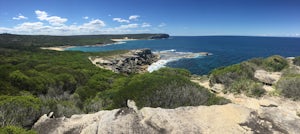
(290, 87)
(167, 88)
(15, 130)
(239, 78)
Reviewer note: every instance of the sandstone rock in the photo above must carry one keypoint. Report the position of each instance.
(226, 119)
(267, 77)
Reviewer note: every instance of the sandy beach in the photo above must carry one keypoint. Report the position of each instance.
(121, 40)
(63, 48)
(58, 48)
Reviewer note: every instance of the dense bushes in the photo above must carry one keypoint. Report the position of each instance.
(164, 88)
(275, 63)
(289, 87)
(239, 78)
(230, 74)
(52, 77)
(19, 110)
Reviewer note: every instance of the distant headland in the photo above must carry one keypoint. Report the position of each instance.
(17, 41)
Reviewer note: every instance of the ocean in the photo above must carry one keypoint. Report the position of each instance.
(226, 50)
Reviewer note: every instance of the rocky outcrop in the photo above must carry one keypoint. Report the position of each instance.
(135, 61)
(268, 78)
(265, 117)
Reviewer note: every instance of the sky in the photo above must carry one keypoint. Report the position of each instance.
(175, 17)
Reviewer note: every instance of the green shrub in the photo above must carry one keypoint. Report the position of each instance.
(62, 105)
(248, 87)
(15, 130)
(161, 89)
(275, 63)
(19, 110)
(239, 78)
(296, 61)
(289, 87)
(230, 74)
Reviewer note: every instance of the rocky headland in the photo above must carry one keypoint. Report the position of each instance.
(134, 61)
(141, 60)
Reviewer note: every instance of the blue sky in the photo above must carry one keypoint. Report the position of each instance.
(184, 17)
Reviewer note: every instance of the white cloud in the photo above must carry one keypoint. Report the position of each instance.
(53, 20)
(93, 24)
(120, 20)
(92, 27)
(41, 15)
(134, 17)
(129, 26)
(85, 17)
(20, 17)
(29, 25)
(162, 25)
(146, 25)
(55, 25)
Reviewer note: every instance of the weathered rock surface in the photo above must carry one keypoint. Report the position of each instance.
(265, 117)
(135, 61)
(267, 77)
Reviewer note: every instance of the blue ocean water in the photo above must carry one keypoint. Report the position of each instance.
(226, 50)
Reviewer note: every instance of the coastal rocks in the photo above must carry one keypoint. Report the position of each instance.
(230, 118)
(135, 61)
(268, 78)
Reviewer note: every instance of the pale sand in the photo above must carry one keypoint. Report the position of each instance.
(121, 40)
(58, 48)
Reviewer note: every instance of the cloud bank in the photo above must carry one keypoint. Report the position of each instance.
(53, 20)
(47, 24)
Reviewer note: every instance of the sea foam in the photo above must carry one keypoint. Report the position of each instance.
(171, 55)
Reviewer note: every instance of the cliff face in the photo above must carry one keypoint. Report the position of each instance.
(267, 117)
(135, 61)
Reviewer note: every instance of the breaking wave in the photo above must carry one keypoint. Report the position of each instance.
(171, 55)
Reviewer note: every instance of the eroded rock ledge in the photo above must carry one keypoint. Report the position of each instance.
(135, 61)
(226, 119)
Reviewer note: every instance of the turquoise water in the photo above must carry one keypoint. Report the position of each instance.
(226, 50)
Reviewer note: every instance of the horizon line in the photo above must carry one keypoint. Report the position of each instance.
(294, 36)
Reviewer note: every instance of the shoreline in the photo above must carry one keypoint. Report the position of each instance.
(57, 48)
(122, 40)
(63, 48)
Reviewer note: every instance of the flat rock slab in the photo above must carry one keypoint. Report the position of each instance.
(226, 119)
